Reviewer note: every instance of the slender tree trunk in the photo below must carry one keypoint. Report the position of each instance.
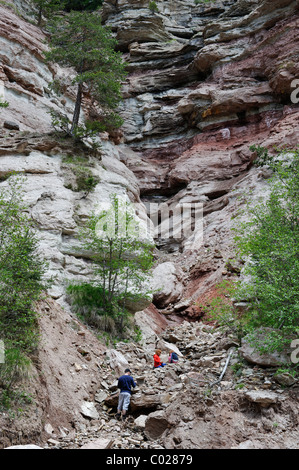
(77, 109)
(39, 18)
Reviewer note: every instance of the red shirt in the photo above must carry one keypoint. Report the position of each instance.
(157, 360)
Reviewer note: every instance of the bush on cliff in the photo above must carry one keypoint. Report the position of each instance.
(269, 243)
(21, 284)
(122, 259)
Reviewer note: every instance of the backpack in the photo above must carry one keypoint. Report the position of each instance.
(174, 357)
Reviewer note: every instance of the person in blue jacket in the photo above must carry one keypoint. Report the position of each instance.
(173, 358)
(125, 384)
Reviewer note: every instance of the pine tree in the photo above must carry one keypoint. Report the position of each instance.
(80, 41)
(46, 8)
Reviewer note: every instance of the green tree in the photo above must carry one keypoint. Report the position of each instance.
(80, 41)
(46, 8)
(269, 242)
(122, 259)
(21, 281)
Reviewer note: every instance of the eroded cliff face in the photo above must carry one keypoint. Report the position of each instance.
(27, 146)
(205, 82)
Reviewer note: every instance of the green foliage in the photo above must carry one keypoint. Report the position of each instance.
(80, 41)
(270, 243)
(288, 371)
(46, 8)
(87, 300)
(3, 104)
(239, 386)
(198, 2)
(222, 310)
(21, 283)
(153, 6)
(88, 130)
(85, 180)
(121, 261)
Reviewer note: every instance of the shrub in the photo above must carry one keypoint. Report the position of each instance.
(21, 283)
(153, 6)
(121, 262)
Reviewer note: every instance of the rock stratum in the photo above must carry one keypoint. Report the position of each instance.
(205, 82)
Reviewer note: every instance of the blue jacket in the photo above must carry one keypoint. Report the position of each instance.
(125, 382)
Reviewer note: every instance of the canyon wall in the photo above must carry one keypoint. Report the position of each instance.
(205, 82)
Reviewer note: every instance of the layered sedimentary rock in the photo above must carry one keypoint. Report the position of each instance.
(50, 165)
(206, 81)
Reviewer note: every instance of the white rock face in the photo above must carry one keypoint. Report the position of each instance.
(167, 284)
(117, 361)
(58, 211)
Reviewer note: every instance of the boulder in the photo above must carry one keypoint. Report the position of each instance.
(101, 396)
(11, 125)
(285, 379)
(156, 424)
(139, 401)
(263, 398)
(167, 284)
(89, 410)
(140, 421)
(151, 323)
(117, 361)
(252, 355)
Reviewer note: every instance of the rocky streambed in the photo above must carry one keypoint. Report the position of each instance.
(190, 404)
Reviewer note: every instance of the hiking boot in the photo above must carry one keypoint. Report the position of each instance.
(118, 416)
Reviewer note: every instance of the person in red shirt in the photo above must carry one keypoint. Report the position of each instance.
(157, 360)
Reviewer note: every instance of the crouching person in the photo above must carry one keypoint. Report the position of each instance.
(125, 384)
(173, 358)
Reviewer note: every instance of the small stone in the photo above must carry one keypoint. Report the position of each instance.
(48, 428)
(53, 442)
(11, 125)
(98, 444)
(134, 441)
(88, 409)
(101, 396)
(262, 397)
